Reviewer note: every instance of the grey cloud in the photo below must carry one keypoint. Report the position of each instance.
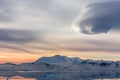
(19, 36)
(90, 45)
(52, 8)
(99, 18)
(94, 49)
(16, 40)
(15, 48)
(6, 11)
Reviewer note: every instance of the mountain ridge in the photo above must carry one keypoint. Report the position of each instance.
(59, 63)
(56, 59)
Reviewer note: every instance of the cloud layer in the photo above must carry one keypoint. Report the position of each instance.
(98, 18)
(10, 35)
(6, 11)
(32, 26)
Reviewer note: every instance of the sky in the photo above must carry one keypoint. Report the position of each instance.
(30, 29)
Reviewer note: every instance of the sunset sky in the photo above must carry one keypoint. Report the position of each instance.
(30, 29)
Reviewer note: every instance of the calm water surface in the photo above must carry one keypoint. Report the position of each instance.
(22, 78)
(54, 76)
(108, 79)
(16, 78)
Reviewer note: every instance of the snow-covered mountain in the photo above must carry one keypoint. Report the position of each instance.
(57, 59)
(63, 63)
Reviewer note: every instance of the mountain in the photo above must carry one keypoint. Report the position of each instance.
(63, 63)
(8, 63)
(57, 59)
(63, 66)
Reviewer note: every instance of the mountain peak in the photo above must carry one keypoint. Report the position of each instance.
(59, 56)
(9, 63)
(57, 59)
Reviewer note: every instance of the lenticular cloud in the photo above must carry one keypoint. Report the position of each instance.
(98, 18)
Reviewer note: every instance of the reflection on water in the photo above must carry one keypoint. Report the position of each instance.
(16, 78)
(56, 76)
(22, 78)
(108, 79)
